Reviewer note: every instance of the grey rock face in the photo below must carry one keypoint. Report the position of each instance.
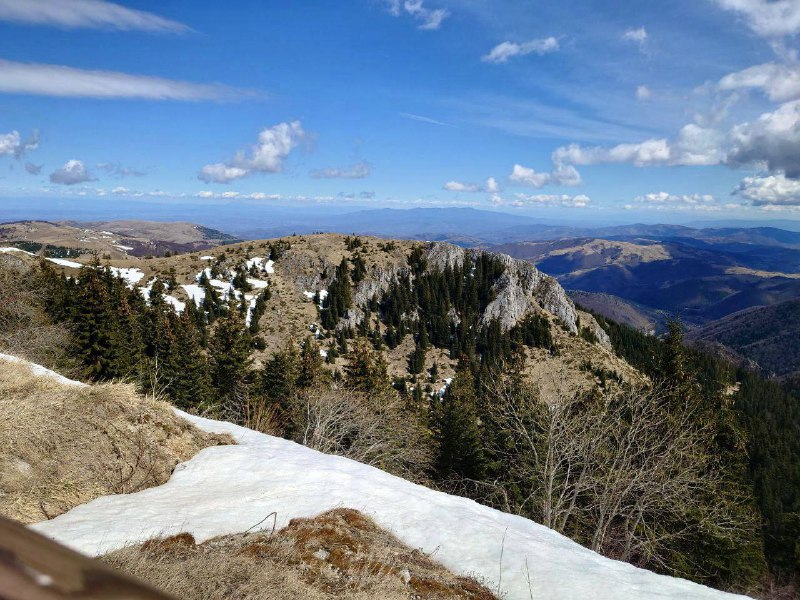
(520, 290)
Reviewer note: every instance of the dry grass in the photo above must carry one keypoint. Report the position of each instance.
(65, 445)
(339, 554)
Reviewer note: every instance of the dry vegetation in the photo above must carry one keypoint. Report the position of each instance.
(25, 330)
(339, 554)
(65, 445)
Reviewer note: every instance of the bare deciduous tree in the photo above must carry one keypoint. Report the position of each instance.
(630, 474)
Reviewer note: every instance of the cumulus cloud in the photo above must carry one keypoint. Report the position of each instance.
(266, 156)
(359, 170)
(93, 14)
(773, 140)
(457, 186)
(221, 173)
(490, 187)
(767, 18)
(563, 174)
(770, 190)
(780, 82)
(637, 36)
(643, 93)
(71, 173)
(502, 52)
(68, 82)
(33, 169)
(429, 19)
(695, 145)
(11, 144)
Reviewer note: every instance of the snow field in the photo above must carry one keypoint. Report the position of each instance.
(229, 489)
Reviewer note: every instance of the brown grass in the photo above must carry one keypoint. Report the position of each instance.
(339, 554)
(65, 445)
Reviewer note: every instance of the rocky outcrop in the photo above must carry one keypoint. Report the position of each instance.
(522, 288)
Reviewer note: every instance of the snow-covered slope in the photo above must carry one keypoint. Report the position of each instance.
(230, 489)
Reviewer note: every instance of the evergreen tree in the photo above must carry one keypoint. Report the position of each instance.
(457, 433)
(230, 360)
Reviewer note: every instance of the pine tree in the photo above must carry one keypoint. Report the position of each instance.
(366, 370)
(457, 433)
(230, 360)
(191, 385)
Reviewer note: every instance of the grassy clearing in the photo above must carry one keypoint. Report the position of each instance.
(339, 554)
(65, 445)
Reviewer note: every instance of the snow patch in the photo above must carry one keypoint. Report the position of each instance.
(229, 489)
(131, 275)
(68, 263)
(195, 292)
(42, 371)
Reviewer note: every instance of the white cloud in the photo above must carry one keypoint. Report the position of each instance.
(502, 52)
(457, 186)
(424, 119)
(490, 187)
(773, 140)
(564, 200)
(359, 170)
(266, 156)
(60, 81)
(71, 173)
(11, 144)
(768, 18)
(220, 173)
(780, 82)
(695, 145)
(676, 199)
(429, 19)
(563, 174)
(121, 191)
(94, 14)
(638, 36)
(643, 93)
(773, 190)
(205, 194)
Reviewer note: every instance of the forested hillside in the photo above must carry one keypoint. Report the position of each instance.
(463, 370)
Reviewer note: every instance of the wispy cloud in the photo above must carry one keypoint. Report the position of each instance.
(637, 36)
(266, 156)
(90, 14)
(424, 119)
(359, 170)
(428, 18)
(33, 169)
(506, 50)
(767, 18)
(119, 171)
(56, 80)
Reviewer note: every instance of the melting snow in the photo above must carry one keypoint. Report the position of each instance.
(42, 371)
(131, 275)
(195, 292)
(68, 263)
(229, 489)
(12, 249)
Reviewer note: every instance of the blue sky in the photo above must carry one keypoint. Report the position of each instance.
(636, 110)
